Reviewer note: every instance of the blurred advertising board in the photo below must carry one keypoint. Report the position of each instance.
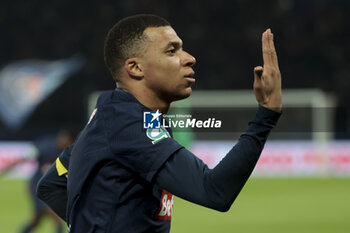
(23, 154)
(287, 158)
(279, 158)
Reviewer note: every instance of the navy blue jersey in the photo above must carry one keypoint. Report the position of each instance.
(116, 169)
(113, 164)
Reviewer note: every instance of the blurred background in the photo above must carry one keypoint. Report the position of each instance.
(51, 67)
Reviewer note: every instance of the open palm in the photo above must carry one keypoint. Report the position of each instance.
(267, 79)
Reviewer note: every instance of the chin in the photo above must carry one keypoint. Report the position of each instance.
(184, 94)
(188, 92)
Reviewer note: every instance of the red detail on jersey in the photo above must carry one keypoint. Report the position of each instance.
(166, 206)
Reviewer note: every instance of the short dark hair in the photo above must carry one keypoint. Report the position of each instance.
(125, 39)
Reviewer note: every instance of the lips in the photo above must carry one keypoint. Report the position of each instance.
(190, 77)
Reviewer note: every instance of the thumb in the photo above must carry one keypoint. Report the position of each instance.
(258, 70)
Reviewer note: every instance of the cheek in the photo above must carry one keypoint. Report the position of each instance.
(152, 68)
(162, 70)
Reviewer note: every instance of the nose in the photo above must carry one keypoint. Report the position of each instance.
(188, 60)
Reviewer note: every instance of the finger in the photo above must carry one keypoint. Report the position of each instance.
(258, 82)
(266, 50)
(274, 57)
(258, 71)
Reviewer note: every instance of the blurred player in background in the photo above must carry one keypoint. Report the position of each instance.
(47, 149)
(121, 175)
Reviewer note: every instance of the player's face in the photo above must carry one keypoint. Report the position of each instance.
(167, 67)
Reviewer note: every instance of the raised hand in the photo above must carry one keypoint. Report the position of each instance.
(267, 79)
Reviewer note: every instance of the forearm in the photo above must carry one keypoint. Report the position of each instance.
(186, 176)
(52, 189)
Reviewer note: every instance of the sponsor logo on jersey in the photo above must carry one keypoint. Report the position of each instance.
(166, 206)
(156, 135)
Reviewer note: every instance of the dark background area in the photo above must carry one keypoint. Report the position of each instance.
(312, 40)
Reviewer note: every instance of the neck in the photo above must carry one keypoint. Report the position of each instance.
(148, 98)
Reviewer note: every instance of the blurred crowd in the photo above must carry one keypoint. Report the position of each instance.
(311, 39)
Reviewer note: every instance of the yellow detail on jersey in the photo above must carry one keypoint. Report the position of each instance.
(61, 170)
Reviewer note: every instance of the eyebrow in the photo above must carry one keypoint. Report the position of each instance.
(175, 44)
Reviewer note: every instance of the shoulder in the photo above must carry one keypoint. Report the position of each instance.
(119, 109)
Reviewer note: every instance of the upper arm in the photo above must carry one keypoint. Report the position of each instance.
(143, 151)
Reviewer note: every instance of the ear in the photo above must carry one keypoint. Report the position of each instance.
(133, 68)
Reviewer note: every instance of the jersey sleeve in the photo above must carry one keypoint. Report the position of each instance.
(217, 188)
(143, 151)
(52, 187)
(64, 158)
